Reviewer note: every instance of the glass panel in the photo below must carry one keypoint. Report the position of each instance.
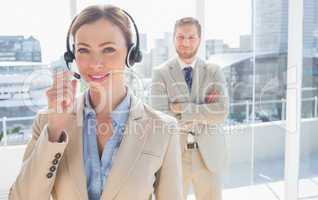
(229, 44)
(270, 57)
(251, 47)
(308, 175)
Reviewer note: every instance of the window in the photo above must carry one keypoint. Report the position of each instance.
(308, 172)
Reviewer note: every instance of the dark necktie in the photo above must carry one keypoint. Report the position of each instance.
(188, 76)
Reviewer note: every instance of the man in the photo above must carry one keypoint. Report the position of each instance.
(194, 92)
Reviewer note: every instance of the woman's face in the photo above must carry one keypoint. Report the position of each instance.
(100, 48)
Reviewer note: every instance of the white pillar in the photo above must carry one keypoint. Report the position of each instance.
(200, 15)
(294, 85)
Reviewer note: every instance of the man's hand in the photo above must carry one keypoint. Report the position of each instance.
(212, 97)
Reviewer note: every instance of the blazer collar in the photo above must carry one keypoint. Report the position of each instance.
(199, 75)
(135, 136)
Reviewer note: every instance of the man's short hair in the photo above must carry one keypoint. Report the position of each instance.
(188, 21)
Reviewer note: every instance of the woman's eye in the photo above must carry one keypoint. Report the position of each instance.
(82, 50)
(108, 50)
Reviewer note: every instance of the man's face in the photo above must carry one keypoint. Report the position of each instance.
(186, 41)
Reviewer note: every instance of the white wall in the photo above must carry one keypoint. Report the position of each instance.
(10, 163)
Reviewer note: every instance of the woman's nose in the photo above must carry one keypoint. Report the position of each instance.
(96, 61)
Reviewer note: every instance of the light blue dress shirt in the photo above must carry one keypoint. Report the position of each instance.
(96, 169)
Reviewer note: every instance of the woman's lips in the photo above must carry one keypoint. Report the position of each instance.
(99, 77)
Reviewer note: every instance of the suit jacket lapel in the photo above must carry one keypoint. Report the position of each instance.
(129, 151)
(179, 81)
(74, 150)
(199, 74)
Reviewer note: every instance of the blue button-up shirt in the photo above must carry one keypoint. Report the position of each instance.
(96, 169)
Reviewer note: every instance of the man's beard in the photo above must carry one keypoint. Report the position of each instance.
(187, 55)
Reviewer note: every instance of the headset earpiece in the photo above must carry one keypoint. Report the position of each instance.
(68, 57)
(134, 55)
(137, 55)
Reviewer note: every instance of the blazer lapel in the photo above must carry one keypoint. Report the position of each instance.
(179, 81)
(74, 151)
(129, 151)
(200, 71)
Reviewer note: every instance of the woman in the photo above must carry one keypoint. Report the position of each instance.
(104, 144)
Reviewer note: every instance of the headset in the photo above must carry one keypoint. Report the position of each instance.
(134, 54)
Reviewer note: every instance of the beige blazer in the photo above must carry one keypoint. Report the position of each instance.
(148, 160)
(169, 86)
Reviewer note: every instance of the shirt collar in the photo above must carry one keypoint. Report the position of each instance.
(184, 65)
(119, 114)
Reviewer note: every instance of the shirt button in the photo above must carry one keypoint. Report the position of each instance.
(114, 123)
(49, 175)
(52, 169)
(123, 128)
